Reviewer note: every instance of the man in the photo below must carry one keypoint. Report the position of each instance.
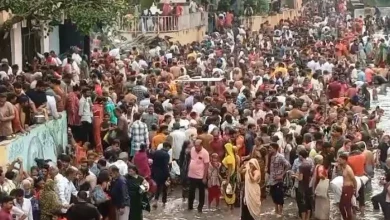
(139, 90)
(349, 187)
(6, 207)
(198, 107)
(22, 203)
(145, 103)
(150, 117)
(7, 114)
(122, 129)
(8, 69)
(38, 95)
(85, 112)
(278, 168)
(197, 174)
(160, 137)
(121, 163)
(66, 187)
(3, 72)
(357, 161)
(82, 209)
(250, 137)
(119, 194)
(160, 172)
(178, 138)
(334, 88)
(139, 134)
(112, 152)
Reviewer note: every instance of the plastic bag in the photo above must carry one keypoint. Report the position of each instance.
(175, 168)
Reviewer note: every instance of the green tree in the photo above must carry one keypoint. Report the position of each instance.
(86, 14)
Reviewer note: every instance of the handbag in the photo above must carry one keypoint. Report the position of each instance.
(322, 188)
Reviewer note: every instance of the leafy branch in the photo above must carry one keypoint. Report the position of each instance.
(84, 13)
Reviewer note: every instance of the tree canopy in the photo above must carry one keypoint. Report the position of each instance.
(86, 14)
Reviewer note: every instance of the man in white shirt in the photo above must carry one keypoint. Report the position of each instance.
(22, 203)
(327, 66)
(66, 188)
(85, 112)
(178, 138)
(135, 66)
(121, 163)
(314, 64)
(52, 106)
(144, 103)
(198, 107)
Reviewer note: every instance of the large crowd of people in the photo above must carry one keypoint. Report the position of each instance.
(242, 117)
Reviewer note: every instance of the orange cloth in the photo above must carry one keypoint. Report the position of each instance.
(240, 144)
(16, 124)
(80, 152)
(356, 162)
(158, 139)
(97, 122)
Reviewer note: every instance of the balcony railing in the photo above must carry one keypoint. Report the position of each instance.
(163, 24)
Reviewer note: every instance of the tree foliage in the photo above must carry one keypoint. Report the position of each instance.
(84, 13)
(258, 6)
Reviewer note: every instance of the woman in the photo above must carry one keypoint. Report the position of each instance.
(261, 155)
(229, 175)
(184, 161)
(141, 161)
(49, 201)
(321, 204)
(251, 201)
(137, 188)
(98, 112)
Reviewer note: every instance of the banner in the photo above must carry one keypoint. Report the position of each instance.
(45, 141)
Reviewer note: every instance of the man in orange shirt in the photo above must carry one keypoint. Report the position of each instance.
(341, 49)
(357, 161)
(160, 137)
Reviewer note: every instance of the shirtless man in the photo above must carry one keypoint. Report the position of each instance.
(370, 162)
(349, 187)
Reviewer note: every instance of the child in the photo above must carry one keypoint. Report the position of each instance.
(213, 180)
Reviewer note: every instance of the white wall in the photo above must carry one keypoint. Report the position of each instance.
(16, 45)
(54, 40)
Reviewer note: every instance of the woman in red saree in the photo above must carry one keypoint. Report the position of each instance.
(98, 114)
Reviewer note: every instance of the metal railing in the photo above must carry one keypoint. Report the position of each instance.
(163, 24)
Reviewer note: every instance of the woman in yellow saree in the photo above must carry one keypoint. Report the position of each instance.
(229, 175)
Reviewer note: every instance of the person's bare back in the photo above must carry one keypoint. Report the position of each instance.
(348, 176)
(369, 157)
